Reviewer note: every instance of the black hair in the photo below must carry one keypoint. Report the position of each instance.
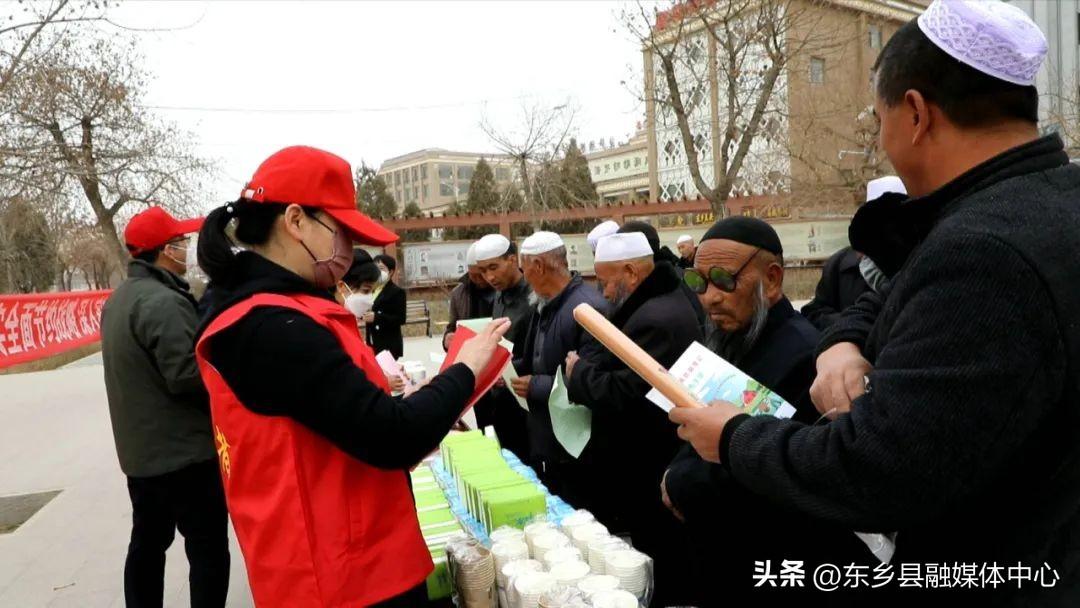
(254, 223)
(645, 228)
(512, 250)
(363, 269)
(968, 97)
(149, 256)
(387, 261)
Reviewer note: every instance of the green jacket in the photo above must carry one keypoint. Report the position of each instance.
(158, 405)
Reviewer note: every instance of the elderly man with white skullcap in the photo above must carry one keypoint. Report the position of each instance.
(552, 334)
(632, 441)
(954, 397)
(471, 298)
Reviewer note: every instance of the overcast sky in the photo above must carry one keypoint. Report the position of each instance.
(372, 80)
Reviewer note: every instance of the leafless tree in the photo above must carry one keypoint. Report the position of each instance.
(738, 52)
(535, 138)
(79, 115)
(1064, 115)
(25, 33)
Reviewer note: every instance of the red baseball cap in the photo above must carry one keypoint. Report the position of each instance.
(154, 227)
(315, 178)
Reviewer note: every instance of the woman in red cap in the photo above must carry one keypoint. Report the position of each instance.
(314, 452)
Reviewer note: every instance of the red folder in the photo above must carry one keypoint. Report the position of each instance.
(490, 374)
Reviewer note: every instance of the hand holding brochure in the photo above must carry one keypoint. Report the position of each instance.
(710, 378)
(486, 378)
(509, 374)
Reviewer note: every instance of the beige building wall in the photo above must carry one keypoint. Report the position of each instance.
(826, 109)
(621, 173)
(434, 178)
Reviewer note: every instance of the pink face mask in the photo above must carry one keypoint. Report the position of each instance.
(331, 270)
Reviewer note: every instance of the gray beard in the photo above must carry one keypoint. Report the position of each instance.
(734, 346)
(538, 301)
(621, 296)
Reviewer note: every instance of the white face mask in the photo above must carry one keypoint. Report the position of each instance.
(359, 304)
(383, 277)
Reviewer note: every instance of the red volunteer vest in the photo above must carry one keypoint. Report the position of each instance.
(317, 527)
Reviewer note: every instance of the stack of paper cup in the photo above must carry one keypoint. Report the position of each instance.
(575, 519)
(507, 533)
(599, 547)
(584, 533)
(595, 583)
(529, 586)
(506, 551)
(542, 543)
(563, 597)
(614, 599)
(535, 529)
(561, 554)
(630, 567)
(570, 572)
(476, 578)
(509, 571)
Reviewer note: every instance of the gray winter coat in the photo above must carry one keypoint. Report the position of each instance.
(157, 402)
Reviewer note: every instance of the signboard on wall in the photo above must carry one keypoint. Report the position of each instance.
(802, 240)
(434, 262)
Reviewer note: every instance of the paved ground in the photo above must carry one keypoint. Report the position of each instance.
(55, 435)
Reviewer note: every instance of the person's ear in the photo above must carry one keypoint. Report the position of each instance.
(921, 119)
(774, 282)
(295, 222)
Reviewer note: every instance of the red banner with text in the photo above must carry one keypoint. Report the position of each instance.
(38, 325)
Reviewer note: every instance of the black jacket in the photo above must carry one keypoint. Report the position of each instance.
(966, 443)
(513, 303)
(467, 302)
(157, 402)
(632, 438)
(715, 505)
(385, 332)
(553, 333)
(841, 284)
(280, 362)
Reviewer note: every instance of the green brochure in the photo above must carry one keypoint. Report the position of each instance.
(571, 423)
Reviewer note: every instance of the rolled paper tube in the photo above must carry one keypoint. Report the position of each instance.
(633, 356)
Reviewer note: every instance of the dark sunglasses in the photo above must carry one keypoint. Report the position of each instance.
(721, 278)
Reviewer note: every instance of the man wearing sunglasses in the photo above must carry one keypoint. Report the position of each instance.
(738, 274)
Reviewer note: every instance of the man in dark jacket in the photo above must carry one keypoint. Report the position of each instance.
(840, 285)
(739, 276)
(632, 441)
(663, 254)
(471, 298)
(959, 388)
(848, 274)
(161, 417)
(387, 312)
(553, 333)
(497, 258)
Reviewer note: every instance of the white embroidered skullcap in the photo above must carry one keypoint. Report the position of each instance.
(603, 229)
(470, 255)
(995, 38)
(492, 246)
(686, 238)
(541, 242)
(620, 247)
(876, 188)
